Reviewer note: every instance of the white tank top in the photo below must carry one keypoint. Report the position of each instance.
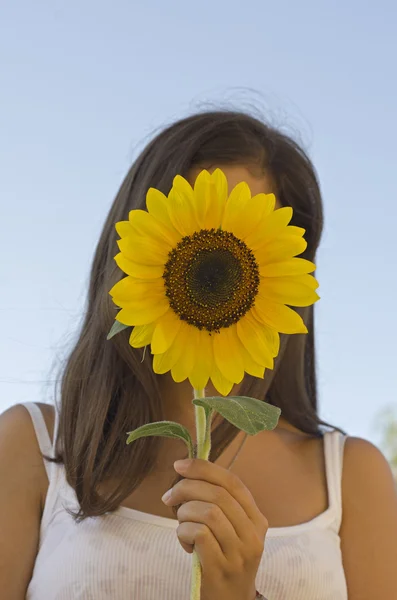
(129, 554)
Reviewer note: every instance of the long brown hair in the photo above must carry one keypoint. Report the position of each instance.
(106, 389)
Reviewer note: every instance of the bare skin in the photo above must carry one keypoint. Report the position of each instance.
(292, 456)
(287, 488)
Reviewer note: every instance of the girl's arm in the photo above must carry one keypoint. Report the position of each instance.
(20, 501)
(369, 525)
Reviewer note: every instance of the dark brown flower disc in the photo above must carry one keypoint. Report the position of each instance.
(211, 279)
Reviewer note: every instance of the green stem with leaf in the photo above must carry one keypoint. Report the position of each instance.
(248, 414)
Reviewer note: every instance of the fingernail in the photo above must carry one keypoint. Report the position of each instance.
(166, 496)
(182, 465)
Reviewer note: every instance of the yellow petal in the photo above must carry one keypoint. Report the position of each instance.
(124, 228)
(181, 207)
(308, 280)
(203, 364)
(157, 205)
(131, 290)
(141, 335)
(269, 227)
(270, 334)
(235, 206)
(227, 354)
(294, 266)
(137, 270)
(250, 365)
(145, 225)
(215, 206)
(162, 363)
(254, 211)
(146, 251)
(273, 338)
(300, 231)
(280, 248)
(165, 332)
(220, 181)
(268, 202)
(123, 287)
(221, 384)
(204, 191)
(142, 316)
(278, 316)
(184, 366)
(255, 339)
(284, 290)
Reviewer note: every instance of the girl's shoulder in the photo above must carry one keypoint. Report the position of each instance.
(48, 412)
(369, 521)
(364, 466)
(18, 431)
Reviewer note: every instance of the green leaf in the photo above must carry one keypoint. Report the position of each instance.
(248, 414)
(164, 429)
(116, 328)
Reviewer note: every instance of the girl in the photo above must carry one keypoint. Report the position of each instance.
(299, 513)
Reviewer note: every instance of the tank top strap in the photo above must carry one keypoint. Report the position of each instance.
(40, 427)
(334, 442)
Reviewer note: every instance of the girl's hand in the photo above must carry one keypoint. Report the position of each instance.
(220, 520)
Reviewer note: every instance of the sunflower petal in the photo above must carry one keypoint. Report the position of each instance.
(130, 290)
(157, 205)
(256, 209)
(215, 207)
(271, 335)
(221, 384)
(235, 206)
(220, 181)
(142, 316)
(122, 288)
(227, 354)
(286, 290)
(306, 279)
(146, 251)
(204, 358)
(137, 270)
(141, 335)
(181, 207)
(250, 365)
(204, 191)
(253, 336)
(165, 332)
(270, 226)
(300, 231)
(145, 225)
(124, 228)
(162, 363)
(283, 247)
(294, 266)
(184, 366)
(278, 316)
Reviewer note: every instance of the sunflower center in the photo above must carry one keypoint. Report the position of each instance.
(211, 279)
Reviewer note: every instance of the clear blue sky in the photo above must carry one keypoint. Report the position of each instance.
(83, 85)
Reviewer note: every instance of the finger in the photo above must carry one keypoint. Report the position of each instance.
(199, 537)
(214, 518)
(197, 468)
(189, 490)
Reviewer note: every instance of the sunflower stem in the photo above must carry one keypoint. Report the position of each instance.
(203, 447)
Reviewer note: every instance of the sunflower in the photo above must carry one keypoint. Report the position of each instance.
(210, 280)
